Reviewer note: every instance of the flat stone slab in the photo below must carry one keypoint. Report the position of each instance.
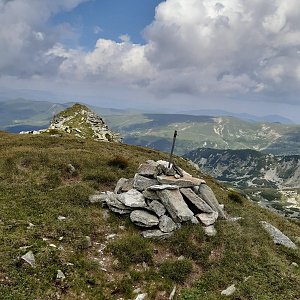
(183, 182)
(166, 224)
(175, 205)
(159, 187)
(278, 236)
(156, 234)
(141, 183)
(143, 218)
(157, 207)
(132, 198)
(208, 219)
(206, 193)
(196, 200)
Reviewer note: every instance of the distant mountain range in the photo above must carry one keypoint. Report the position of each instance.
(156, 130)
(249, 168)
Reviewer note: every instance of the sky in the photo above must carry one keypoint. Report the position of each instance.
(164, 56)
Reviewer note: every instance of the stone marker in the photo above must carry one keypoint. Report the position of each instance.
(196, 200)
(143, 218)
(278, 236)
(175, 205)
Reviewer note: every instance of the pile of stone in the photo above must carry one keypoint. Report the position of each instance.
(160, 198)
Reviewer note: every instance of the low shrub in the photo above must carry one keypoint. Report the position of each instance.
(177, 271)
(131, 249)
(236, 197)
(119, 161)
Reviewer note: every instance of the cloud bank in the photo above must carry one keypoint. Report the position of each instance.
(199, 47)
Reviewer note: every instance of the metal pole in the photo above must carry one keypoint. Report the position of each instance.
(171, 154)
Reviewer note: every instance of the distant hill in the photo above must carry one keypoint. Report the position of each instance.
(156, 131)
(249, 168)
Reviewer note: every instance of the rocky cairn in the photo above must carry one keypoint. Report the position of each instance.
(159, 199)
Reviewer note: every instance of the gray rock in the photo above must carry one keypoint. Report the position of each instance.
(183, 182)
(166, 224)
(194, 220)
(206, 193)
(208, 219)
(132, 198)
(128, 185)
(172, 295)
(196, 200)
(29, 258)
(141, 296)
(88, 241)
(150, 194)
(229, 291)
(234, 219)
(60, 275)
(162, 187)
(115, 205)
(143, 218)
(278, 236)
(71, 168)
(150, 169)
(156, 234)
(175, 205)
(120, 184)
(294, 264)
(141, 183)
(157, 207)
(98, 198)
(210, 230)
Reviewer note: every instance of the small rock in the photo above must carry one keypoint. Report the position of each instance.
(234, 219)
(29, 258)
(141, 183)
(294, 264)
(155, 234)
(150, 169)
(172, 295)
(229, 291)
(121, 182)
(181, 257)
(52, 245)
(208, 219)
(210, 230)
(157, 207)
(137, 290)
(60, 275)
(71, 168)
(166, 224)
(122, 227)
(60, 238)
(141, 297)
(30, 225)
(88, 241)
(25, 247)
(61, 218)
(111, 236)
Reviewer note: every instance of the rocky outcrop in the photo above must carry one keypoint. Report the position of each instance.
(161, 202)
(81, 122)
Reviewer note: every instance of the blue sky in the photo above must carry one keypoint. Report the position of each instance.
(172, 55)
(108, 19)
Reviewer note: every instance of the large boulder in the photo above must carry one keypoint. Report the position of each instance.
(143, 218)
(132, 198)
(175, 205)
(278, 236)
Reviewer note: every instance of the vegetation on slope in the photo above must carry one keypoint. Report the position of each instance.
(37, 187)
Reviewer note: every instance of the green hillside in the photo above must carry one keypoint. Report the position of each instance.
(44, 208)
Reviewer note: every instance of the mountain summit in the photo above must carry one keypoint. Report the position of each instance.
(80, 121)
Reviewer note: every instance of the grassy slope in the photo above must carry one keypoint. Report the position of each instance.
(36, 187)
